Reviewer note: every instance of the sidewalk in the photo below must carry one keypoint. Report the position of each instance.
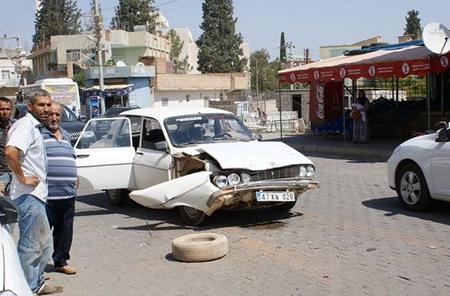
(335, 145)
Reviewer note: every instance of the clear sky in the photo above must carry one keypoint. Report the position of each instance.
(306, 24)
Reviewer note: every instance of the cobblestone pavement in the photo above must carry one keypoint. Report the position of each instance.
(349, 237)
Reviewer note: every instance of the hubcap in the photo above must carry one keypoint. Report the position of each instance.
(410, 188)
(191, 212)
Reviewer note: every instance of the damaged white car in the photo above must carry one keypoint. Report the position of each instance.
(198, 160)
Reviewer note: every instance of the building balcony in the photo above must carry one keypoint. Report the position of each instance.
(120, 72)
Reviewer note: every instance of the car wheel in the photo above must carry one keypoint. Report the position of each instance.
(117, 197)
(199, 247)
(412, 188)
(192, 216)
(284, 207)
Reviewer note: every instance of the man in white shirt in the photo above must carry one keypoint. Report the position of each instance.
(25, 155)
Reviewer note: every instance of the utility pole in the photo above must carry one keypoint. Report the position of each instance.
(257, 84)
(306, 55)
(98, 35)
(290, 46)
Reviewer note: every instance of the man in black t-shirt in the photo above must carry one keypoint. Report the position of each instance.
(5, 124)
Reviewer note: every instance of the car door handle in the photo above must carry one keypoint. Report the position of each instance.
(83, 155)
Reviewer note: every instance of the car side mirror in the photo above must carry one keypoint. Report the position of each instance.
(83, 118)
(161, 146)
(442, 135)
(258, 137)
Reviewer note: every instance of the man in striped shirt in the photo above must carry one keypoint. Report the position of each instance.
(62, 187)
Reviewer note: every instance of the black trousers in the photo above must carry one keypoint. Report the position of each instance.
(60, 214)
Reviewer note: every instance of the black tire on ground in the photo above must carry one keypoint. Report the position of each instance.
(199, 247)
(117, 197)
(412, 189)
(192, 216)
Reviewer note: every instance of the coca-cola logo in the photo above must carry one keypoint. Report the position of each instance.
(316, 75)
(405, 68)
(320, 99)
(292, 77)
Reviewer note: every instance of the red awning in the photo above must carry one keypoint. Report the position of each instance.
(411, 60)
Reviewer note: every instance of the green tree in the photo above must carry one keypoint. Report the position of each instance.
(282, 49)
(56, 17)
(262, 72)
(180, 66)
(130, 13)
(219, 46)
(413, 26)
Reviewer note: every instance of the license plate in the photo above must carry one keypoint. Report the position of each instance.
(276, 196)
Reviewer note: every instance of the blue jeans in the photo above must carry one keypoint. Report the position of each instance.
(35, 240)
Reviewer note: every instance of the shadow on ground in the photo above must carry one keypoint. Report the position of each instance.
(439, 212)
(160, 219)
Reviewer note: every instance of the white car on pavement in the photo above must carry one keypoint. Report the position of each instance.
(198, 160)
(418, 170)
(12, 279)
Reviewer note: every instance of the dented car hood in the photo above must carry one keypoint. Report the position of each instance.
(251, 155)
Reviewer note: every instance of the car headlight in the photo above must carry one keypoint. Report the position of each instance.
(306, 171)
(221, 181)
(302, 171)
(310, 171)
(234, 179)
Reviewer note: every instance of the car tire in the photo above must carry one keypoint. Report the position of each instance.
(284, 207)
(192, 216)
(412, 188)
(117, 197)
(199, 247)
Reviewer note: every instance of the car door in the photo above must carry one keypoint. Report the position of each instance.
(152, 162)
(105, 158)
(440, 166)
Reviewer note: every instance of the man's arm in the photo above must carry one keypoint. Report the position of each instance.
(13, 159)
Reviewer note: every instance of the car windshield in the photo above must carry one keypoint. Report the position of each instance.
(67, 114)
(206, 128)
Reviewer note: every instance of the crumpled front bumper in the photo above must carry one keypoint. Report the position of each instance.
(247, 192)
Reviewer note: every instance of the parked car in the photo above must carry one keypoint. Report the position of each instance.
(198, 160)
(113, 111)
(69, 121)
(12, 279)
(418, 170)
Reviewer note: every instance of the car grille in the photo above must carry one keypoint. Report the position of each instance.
(74, 135)
(278, 173)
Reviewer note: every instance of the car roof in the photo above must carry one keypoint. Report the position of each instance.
(162, 113)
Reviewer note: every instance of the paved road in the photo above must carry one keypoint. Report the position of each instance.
(350, 237)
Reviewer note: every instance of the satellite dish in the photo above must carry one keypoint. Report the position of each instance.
(436, 38)
(121, 64)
